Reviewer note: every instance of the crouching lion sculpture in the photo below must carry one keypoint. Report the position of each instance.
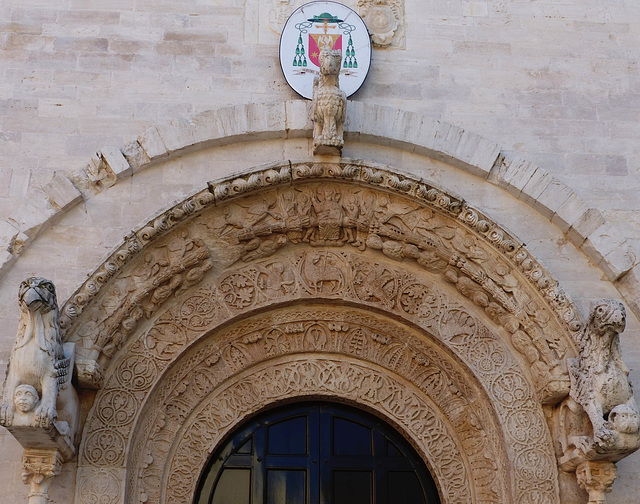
(38, 390)
(600, 419)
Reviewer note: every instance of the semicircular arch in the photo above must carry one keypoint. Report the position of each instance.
(470, 420)
(345, 233)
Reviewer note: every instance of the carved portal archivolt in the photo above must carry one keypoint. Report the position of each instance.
(342, 280)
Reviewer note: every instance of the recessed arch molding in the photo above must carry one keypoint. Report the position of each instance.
(339, 280)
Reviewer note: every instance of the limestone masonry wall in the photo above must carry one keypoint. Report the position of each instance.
(552, 82)
(556, 80)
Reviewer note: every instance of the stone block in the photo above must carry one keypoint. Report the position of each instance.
(135, 155)
(232, 120)
(408, 134)
(602, 241)
(36, 213)
(588, 222)
(152, 144)
(266, 120)
(538, 182)
(177, 134)
(116, 161)
(483, 158)
(629, 287)
(8, 232)
(569, 212)
(6, 260)
(428, 130)
(80, 44)
(376, 121)
(298, 117)
(61, 192)
(206, 126)
(618, 262)
(513, 174)
(447, 140)
(552, 197)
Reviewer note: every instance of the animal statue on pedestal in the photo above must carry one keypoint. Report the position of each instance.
(38, 382)
(329, 105)
(600, 419)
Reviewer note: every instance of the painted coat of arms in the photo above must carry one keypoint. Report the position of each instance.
(318, 25)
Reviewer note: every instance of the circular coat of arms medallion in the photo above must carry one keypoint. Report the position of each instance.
(316, 26)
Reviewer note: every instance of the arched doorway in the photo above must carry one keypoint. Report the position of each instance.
(430, 316)
(312, 453)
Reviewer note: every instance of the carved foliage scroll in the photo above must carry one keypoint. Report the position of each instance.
(425, 227)
(508, 388)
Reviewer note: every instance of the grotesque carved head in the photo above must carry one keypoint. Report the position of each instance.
(625, 419)
(37, 294)
(25, 398)
(330, 61)
(608, 315)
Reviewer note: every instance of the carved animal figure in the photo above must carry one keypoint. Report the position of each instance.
(38, 359)
(599, 377)
(329, 105)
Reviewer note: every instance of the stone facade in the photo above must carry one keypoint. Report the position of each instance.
(503, 204)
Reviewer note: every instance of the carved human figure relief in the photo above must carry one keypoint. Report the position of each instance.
(329, 105)
(38, 390)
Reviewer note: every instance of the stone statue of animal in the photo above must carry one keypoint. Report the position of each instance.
(38, 359)
(329, 105)
(599, 377)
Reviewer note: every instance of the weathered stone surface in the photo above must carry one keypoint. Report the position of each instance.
(37, 392)
(554, 82)
(328, 105)
(600, 420)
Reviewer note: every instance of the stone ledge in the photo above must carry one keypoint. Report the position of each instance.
(369, 123)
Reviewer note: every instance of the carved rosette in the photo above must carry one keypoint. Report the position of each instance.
(385, 22)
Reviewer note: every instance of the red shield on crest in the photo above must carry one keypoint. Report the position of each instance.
(317, 41)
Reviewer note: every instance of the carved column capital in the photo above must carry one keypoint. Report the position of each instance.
(596, 478)
(39, 466)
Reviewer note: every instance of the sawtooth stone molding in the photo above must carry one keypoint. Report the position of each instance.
(585, 227)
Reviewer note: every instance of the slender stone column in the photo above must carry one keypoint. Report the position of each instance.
(39, 466)
(596, 478)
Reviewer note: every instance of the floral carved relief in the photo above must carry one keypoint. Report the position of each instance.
(192, 302)
(332, 331)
